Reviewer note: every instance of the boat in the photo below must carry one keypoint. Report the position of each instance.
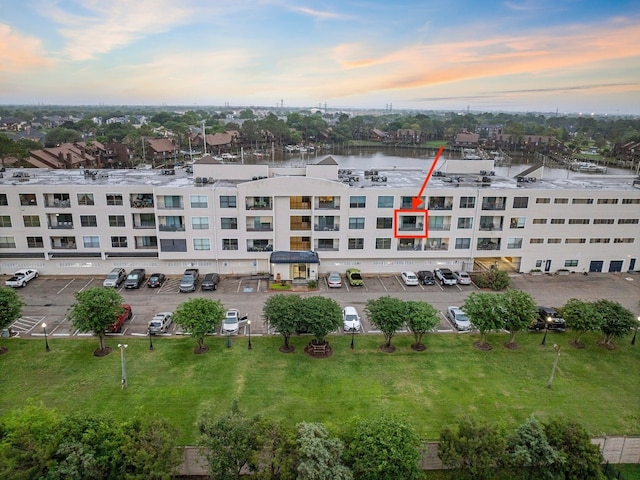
(588, 167)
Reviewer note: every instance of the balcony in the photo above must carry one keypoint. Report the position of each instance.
(63, 243)
(146, 243)
(326, 228)
(491, 224)
(440, 203)
(144, 225)
(259, 203)
(437, 244)
(327, 203)
(416, 247)
(494, 203)
(141, 200)
(260, 248)
(171, 228)
(488, 244)
(262, 227)
(61, 225)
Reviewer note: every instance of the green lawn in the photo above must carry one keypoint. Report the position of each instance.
(597, 387)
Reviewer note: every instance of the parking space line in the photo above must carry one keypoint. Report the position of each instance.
(62, 289)
(400, 282)
(382, 283)
(86, 284)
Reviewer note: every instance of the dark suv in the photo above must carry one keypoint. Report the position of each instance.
(548, 318)
(189, 280)
(426, 277)
(135, 278)
(210, 281)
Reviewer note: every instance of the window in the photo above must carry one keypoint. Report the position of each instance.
(327, 244)
(384, 222)
(538, 263)
(300, 203)
(35, 242)
(356, 243)
(599, 240)
(172, 201)
(560, 200)
(462, 243)
(539, 221)
(517, 222)
(173, 245)
(114, 199)
(3, 200)
(119, 242)
(467, 202)
(358, 201)
(536, 240)
(630, 201)
(383, 243)
(385, 201)
(571, 263)
(199, 201)
(465, 222)
(520, 202)
(28, 199)
(228, 201)
(85, 199)
(575, 240)
(603, 221)
(229, 244)
(356, 223)
(554, 240)
(578, 221)
(514, 242)
(607, 201)
(31, 220)
(543, 200)
(627, 221)
(623, 240)
(5, 221)
(557, 221)
(200, 223)
(582, 201)
(91, 241)
(7, 242)
(116, 221)
(201, 244)
(88, 221)
(230, 223)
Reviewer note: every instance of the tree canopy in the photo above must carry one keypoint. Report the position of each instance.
(421, 318)
(617, 321)
(519, 311)
(10, 306)
(581, 317)
(386, 313)
(484, 312)
(282, 312)
(199, 316)
(320, 455)
(320, 316)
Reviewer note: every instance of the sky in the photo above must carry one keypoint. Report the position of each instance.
(570, 56)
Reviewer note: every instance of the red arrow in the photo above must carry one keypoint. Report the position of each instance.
(415, 201)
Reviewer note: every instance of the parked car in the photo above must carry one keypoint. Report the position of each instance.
(459, 318)
(548, 318)
(210, 281)
(350, 320)
(126, 314)
(135, 278)
(445, 276)
(426, 277)
(160, 322)
(21, 277)
(334, 280)
(231, 322)
(463, 278)
(354, 277)
(409, 278)
(189, 280)
(115, 277)
(156, 280)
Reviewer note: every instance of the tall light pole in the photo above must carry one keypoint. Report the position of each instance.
(124, 365)
(546, 329)
(249, 333)
(150, 342)
(556, 347)
(353, 334)
(46, 341)
(635, 334)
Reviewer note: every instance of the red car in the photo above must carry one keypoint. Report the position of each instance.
(124, 316)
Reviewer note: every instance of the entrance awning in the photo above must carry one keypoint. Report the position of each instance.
(294, 257)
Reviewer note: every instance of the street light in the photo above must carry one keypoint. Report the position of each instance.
(249, 333)
(556, 347)
(46, 341)
(546, 329)
(124, 365)
(353, 334)
(635, 334)
(150, 342)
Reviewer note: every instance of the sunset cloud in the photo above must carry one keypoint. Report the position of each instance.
(20, 52)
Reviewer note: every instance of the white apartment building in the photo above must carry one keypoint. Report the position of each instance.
(230, 218)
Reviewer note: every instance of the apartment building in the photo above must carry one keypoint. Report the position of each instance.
(238, 219)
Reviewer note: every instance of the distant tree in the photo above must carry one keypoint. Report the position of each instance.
(282, 312)
(529, 454)
(519, 311)
(421, 318)
(320, 456)
(199, 316)
(383, 448)
(582, 459)
(320, 316)
(581, 317)
(95, 310)
(10, 308)
(617, 321)
(386, 314)
(229, 442)
(277, 452)
(247, 114)
(473, 450)
(483, 310)
(58, 136)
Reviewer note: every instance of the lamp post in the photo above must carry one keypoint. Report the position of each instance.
(556, 347)
(635, 334)
(249, 333)
(353, 334)
(546, 329)
(228, 339)
(124, 365)
(150, 342)
(46, 341)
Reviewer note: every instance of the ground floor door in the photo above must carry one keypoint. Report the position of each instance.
(547, 265)
(615, 266)
(299, 271)
(596, 266)
(632, 264)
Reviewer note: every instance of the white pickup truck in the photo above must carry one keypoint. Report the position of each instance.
(21, 277)
(445, 276)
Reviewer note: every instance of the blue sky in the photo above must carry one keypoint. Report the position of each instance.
(513, 55)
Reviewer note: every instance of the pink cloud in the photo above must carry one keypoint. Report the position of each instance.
(20, 52)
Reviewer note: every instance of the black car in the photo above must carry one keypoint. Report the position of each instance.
(156, 280)
(548, 318)
(210, 281)
(135, 278)
(426, 277)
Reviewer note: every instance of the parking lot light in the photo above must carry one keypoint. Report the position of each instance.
(46, 341)
(353, 335)
(150, 342)
(249, 333)
(124, 365)
(546, 329)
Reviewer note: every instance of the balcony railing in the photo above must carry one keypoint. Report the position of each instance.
(142, 203)
(258, 206)
(267, 248)
(328, 206)
(57, 203)
(445, 228)
(144, 225)
(171, 228)
(491, 228)
(327, 249)
(65, 246)
(61, 225)
(326, 228)
(440, 206)
(411, 228)
(265, 227)
(489, 246)
(408, 248)
(493, 206)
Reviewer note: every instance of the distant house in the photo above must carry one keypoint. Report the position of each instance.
(466, 139)
(117, 155)
(524, 142)
(408, 135)
(12, 124)
(65, 156)
(216, 142)
(160, 149)
(378, 135)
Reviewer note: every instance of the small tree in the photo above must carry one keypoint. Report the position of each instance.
(387, 314)
(581, 317)
(519, 311)
(483, 309)
(282, 312)
(95, 311)
(617, 321)
(320, 456)
(10, 309)
(494, 279)
(421, 318)
(529, 453)
(320, 316)
(199, 316)
(276, 455)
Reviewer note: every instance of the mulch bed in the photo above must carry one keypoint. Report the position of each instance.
(102, 352)
(288, 349)
(511, 345)
(575, 344)
(3, 350)
(201, 350)
(387, 348)
(485, 347)
(420, 347)
(608, 346)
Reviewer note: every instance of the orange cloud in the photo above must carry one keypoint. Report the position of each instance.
(20, 52)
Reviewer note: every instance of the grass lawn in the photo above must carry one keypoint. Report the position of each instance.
(595, 386)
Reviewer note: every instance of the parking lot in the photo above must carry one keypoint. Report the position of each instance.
(48, 298)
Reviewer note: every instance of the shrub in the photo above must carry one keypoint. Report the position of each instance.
(494, 279)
